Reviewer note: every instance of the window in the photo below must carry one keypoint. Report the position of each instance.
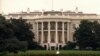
(65, 26)
(65, 36)
(52, 25)
(39, 37)
(59, 36)
(45, 25)
(59, 25)
(52, 36)
(39, 26)
(45, 36)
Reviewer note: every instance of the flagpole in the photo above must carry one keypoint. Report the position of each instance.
(52, 4)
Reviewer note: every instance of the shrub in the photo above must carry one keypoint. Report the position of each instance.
(70, 46)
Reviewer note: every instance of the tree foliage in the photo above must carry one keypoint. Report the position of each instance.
(88, 34)
(8, 41)
(15, 35)
(23, 32)
(69, 46)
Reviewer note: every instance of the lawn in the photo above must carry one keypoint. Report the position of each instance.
(61, 52)
(53, 53)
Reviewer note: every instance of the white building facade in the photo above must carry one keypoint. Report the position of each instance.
(53, 29)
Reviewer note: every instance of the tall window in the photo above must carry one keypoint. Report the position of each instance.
(45, 25)
(45, 36)
(39, 37)
(39, 26)
(59, 25)
(59, 36)
(52, 35)
(65, 36)
(52, 25)
(65, 26)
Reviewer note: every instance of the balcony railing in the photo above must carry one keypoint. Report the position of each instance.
(55, 16)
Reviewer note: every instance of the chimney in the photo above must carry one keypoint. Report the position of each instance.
(28, 10)
(76, 9)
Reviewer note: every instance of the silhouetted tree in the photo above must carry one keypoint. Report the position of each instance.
(96, 31)
(23, 32)
(69, 46)
(85, 35)
(8, 41)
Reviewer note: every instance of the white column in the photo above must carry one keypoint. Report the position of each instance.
(47, 47)
(56, 32)
(48, 32)
(63, 32)
(58, 47)
(42, 33)
(57, 35)
(71, 33)
(37, 33)
(68, 29)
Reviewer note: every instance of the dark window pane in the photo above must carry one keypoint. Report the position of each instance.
(59, 25)
(65, 25)
(52, 25)
(39, 26)
(45, 26)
